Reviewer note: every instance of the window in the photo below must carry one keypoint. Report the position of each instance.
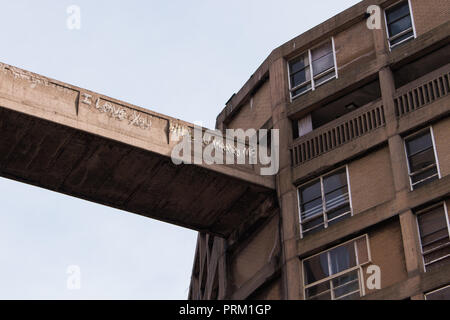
(336, 274)
(440, 294)
(422, 164)
(434, 236)
(311, 69)
(399, 24)
(324, 201)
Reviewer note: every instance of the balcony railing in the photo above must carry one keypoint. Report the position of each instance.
(338, 132)
(422, 91)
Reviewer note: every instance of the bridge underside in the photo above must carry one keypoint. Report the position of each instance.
(91, 167)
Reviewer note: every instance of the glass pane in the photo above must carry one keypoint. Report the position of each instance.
(438, 264)
(299, 64)
(425, 175)
(334, 181)
(316, 268)
(312, 209)
(324, 78)
(421, 160)
(301, 90)
(311, 191)
(442, 294)
(321, 51)
(346, 284)
(322, 289)
(430, 222)
(300, 77)
(419, 143)
(322, 64)
(316, 224)
(335, 189)
(342, 258)
(404, 37)
(397, 12)
(437, 254)
(338, 215)
(399, 26)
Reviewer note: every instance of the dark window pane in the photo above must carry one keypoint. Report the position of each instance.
(321, 51)
(438, 264)
(426, 177)
(298, 64)
(442, 294)
(322, 64)
(334, 181)
(346, 284)
(300, 77)
(324, 78)
(313, 225)
(310, 192)
(401, 38)
(399, 26)
(421, 160)
(319, 292)
(336, 213)
(301, 90)
(397, 12)
(342, 258)
(419, 143)
(432, 221)
(316, 268)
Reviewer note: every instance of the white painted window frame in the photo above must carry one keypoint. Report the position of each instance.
(410, 174)
(312, 81)
(359, 266)
(324, 212)
(434, 291)
(418, 213)
(389, 38)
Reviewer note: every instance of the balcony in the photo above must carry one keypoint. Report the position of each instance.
(338, 132)
(422, 91)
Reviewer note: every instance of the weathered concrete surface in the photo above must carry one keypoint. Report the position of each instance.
(80, 143)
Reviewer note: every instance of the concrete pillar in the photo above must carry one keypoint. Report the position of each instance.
(286, 191)
(399, 167)
(411, 242)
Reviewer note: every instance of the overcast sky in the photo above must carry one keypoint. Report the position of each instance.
(181, 58)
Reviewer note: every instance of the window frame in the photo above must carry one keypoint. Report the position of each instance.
(324, 212)
(411, 174)
(436, 290)
(417, 214)
(359, 267)
(312, 81)
(389, 38)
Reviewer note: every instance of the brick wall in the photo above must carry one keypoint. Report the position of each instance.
(254, 115)
(429, 14)
(371, 180)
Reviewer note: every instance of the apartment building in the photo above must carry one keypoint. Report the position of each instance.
(363, 191)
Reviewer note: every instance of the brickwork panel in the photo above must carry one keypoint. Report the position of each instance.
(371, 180)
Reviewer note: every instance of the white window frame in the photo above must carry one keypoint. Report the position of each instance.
(417, 214)
(323, 197)
(430, 129)
(359, 267)
(431, 292)
(400, 34)
(312, 81)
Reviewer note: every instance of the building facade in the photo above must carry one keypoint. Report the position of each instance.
(363, 192)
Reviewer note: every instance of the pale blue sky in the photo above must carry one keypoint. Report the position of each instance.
(180, 58)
